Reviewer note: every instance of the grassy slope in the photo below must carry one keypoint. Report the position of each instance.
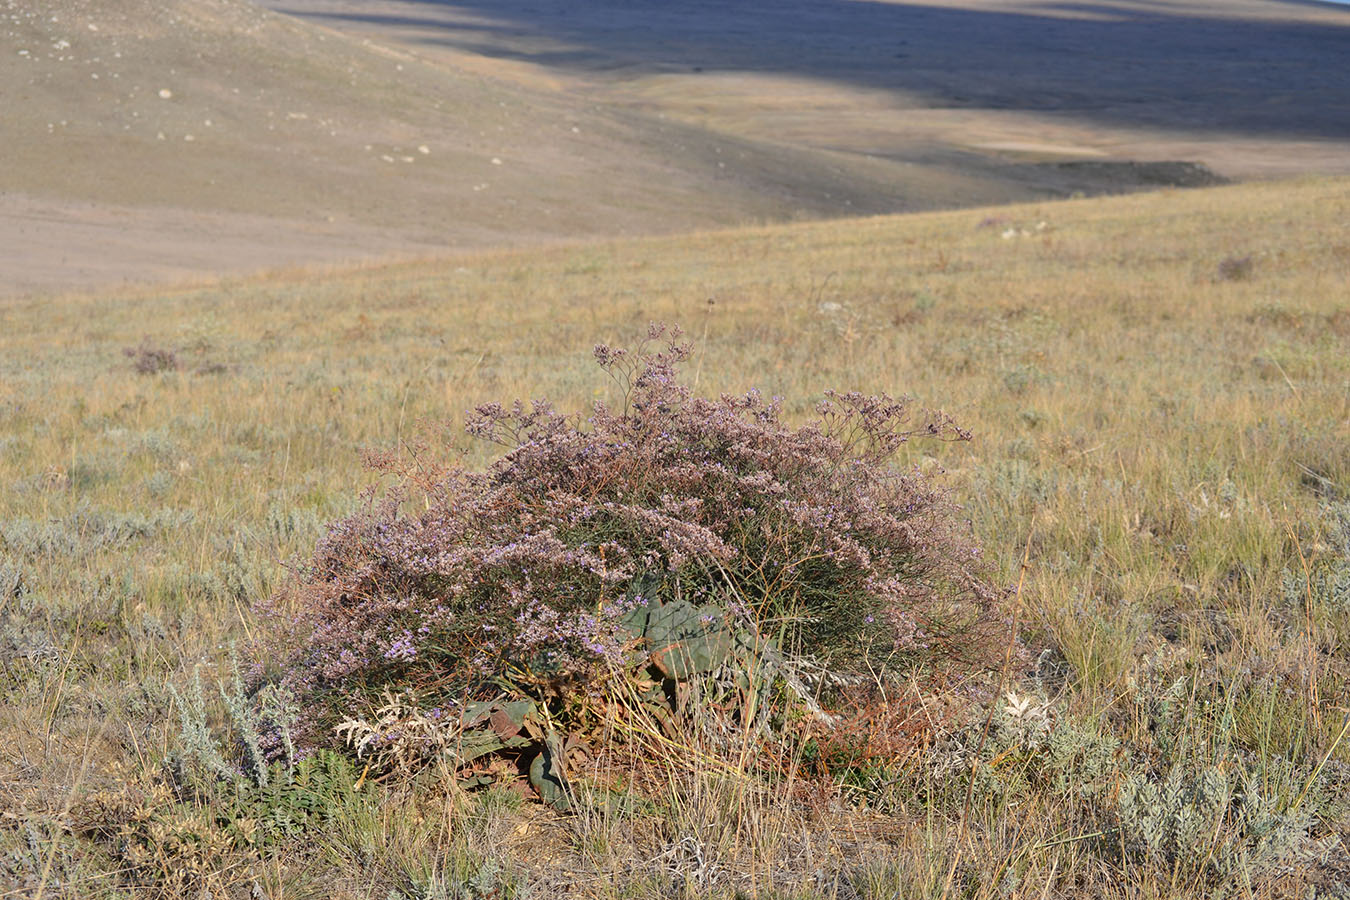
(1164, 430)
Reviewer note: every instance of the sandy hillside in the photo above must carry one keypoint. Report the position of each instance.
(145, 141)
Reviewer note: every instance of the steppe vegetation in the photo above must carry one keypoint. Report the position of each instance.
(1157, 389)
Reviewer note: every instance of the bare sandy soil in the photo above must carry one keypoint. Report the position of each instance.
(178, 139)
(76, 245)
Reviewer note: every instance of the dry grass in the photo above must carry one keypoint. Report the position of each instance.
(1167, 441)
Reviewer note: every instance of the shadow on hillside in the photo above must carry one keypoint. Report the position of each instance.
(1140, 64)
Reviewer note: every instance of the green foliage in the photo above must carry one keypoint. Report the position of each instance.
(1035, 748)
(196, 740)
(483, 879)
(257, 802)
(299, 799)
(684, 640)
(253, 721)
(1211, 821)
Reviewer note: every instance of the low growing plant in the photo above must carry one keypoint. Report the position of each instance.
(667, 540)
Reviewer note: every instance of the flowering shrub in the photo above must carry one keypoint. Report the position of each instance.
(147, 359)
(529, 578)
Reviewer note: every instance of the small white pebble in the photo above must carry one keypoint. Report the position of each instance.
(423, 149)
(165, 93)
(160, 136)
(386, 157)
(496, 161)
(93, 27)
(188, 137)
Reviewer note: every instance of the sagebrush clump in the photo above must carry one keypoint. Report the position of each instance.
(670, 536)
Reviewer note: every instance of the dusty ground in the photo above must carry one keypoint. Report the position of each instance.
(145, 141)
(54, 242)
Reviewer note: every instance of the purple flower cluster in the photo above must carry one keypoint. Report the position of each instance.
(402, 648)
(525, 572)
